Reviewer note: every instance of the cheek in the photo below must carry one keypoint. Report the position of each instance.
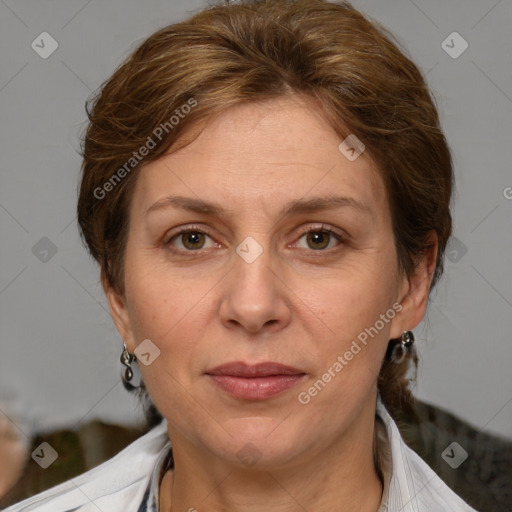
(355, 312)
(173, 312)
(170, 314)
(349, 302)
(160, 299)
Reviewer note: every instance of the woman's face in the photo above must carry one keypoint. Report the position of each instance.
(269, 272)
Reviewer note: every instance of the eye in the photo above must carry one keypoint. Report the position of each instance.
(190, 239)
(193, 239)
(321, 238)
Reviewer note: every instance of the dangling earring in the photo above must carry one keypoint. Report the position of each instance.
(398, 349)
(127, 359)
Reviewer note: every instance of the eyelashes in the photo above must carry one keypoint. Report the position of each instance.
(193, 239)
(322, 231)
(188, 231)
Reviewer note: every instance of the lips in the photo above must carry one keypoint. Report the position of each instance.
(255, 382)
(239, 369)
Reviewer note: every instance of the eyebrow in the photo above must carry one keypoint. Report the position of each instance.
(298, 206)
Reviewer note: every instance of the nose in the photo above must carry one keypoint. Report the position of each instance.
(255, 295)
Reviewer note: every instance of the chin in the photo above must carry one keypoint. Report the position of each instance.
(259, 443)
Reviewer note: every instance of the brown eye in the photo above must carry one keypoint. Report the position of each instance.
(193, 239)
(320, 239)
(189, 240)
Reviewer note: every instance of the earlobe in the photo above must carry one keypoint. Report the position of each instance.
(416, 289)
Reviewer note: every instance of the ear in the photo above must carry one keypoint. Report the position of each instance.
(119, 313)
(414, 290)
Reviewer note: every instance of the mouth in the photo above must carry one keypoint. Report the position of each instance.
(255, 382)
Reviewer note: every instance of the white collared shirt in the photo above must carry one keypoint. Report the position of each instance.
(129, 482)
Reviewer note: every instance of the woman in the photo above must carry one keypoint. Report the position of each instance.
(266, 188)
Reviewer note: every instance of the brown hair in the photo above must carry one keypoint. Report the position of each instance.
(225, 55)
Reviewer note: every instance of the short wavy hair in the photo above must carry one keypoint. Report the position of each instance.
(351, 67)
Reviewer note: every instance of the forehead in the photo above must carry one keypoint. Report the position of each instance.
(261, 155)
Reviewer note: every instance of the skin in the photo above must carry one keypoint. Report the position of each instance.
(13, 454)
(301, 303)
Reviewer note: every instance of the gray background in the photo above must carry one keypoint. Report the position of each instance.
(59, 361)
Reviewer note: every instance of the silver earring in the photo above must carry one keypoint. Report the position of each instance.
(127, 359)
(398, 349)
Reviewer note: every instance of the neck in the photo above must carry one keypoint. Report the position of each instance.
(342, 477)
